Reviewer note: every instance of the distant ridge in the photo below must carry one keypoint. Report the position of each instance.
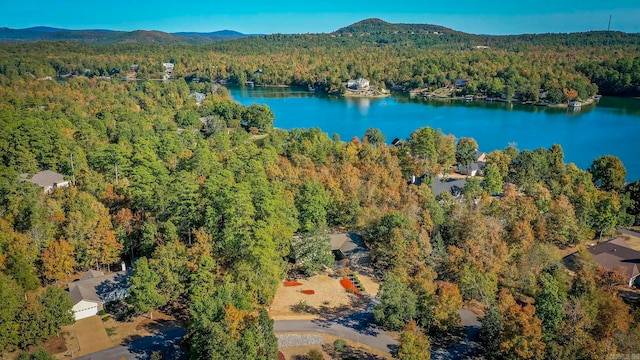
(103, 37)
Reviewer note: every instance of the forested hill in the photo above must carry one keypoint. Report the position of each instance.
(107, 37)
(378, 26)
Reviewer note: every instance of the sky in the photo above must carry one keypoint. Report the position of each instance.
(305, 16)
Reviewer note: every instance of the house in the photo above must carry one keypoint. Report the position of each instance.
(350, 246)
(461, 83)
(480, 156)
(94, 289)
(473, 169)
(359, 84)
(616, 254)
(575, 104)
(396, 142)
(48, 180)
(198, 97)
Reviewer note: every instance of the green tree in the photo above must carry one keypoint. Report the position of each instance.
(550, 304)
(312, 202)
(259, 116)
(466, 151)
(374, 136)
(608, 173)
(170, 263)
(143, 295)
(12, 298)
(313, 252)
(397, 303)
(492, 179)
(58, 309)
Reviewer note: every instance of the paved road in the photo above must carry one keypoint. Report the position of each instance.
(468, 348)
(167, 342)
(629, 232)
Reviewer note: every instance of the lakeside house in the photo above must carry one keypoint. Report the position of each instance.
(48, 180)
(358, 84)
(94, 289)
(475, 168)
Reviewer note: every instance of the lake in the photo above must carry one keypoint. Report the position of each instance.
(610, 127)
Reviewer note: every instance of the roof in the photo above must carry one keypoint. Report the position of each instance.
(346, 242)
(99, 289)
(46, 178)
(91, 274)
(615, 253)
(453, 186)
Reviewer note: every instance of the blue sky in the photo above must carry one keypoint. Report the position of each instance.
(287, 16)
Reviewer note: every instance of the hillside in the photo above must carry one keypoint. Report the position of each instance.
(108, 37)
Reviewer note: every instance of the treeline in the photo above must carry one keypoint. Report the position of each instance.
(208, 198)
(562, 66)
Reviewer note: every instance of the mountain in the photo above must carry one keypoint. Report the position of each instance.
(222, 34)
(104, 37)
(378, 26)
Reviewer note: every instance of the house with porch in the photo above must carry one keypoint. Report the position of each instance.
(94, 289)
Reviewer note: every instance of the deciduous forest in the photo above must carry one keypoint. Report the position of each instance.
(208, 197)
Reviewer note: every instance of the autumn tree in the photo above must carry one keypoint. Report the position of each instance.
(58, 260)
(413, 344)
(520, 334)
(448, 304)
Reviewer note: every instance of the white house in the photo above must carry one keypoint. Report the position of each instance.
(359, 84)
(94, 289)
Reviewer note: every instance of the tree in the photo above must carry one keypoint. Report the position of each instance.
(40, 354)
(374, 136)
(520, 334)
(608, 173)
(58, 309)
(170, 263)
(313, 252)
(550, 304)
(312, 202)
(143, 295)
(492, 179)
(413, 344)
(466, 151)
(259, 116)
(448, 304)
(397, 303)
(58, 260)
(12, 299)
(561, 222)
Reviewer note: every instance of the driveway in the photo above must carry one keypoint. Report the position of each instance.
(90, 334)
(357, 327)
(468, 348)
(167, 342)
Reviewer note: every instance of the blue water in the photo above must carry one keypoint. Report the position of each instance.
(610, 127)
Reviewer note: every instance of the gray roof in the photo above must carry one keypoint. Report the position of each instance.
(46, 178)
(453, 186)
(100, 289)
(351, 245)
(615, 253)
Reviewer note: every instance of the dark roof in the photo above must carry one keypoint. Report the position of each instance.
(396, 142)
(453, 186)
(46, 178)
(615, 253)
(99, 289)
